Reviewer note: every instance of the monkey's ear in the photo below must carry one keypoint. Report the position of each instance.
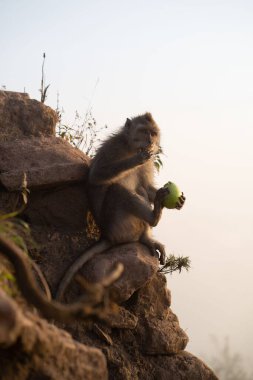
(148, 116)
(128, 123)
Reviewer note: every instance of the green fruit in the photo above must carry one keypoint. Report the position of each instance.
(172, 198)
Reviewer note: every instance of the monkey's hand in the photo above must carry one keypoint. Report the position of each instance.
(143, 156)
(160, 196)
(180, 202)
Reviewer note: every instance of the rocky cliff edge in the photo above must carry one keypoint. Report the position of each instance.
(143, 340)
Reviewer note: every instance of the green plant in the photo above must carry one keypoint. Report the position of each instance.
(8, 282)
(174, 263)
(157, 159)
(15, 230)
(18, 232)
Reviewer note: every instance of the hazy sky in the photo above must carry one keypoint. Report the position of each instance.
(190, 63)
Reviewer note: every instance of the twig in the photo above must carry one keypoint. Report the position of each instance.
(51, 309)
(43, 88)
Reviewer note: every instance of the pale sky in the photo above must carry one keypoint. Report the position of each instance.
(189, 63)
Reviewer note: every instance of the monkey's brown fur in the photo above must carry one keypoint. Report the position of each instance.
(121, 184)
(121, 191)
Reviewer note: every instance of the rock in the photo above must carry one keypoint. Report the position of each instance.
(183, 366)
(154, 299)
(50, 353)
(55, 249)
(161, 337)
(131, 365)
(158, 329)
(46, 162)
(64, 207)
(21, 116)
(121, 319)
(139, 267)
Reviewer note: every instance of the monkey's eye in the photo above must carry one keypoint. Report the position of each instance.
(153, 133)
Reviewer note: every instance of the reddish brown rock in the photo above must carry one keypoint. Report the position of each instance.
(64, 207)
(46, 162)
(121, 319)
(154, 299)
(21, 117)
(158, 331)
(161, 337)
(50, 353)
(139, 267)
(183, 366)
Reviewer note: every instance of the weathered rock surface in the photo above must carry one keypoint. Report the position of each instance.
(183, 366)
(153, 349)
(157, 331)
(46, 162)
(50, 353)
(139, 267)
(122, 319)
(58, 207)
(154, 299)
(21, 116)
(158, 328)
(55, 250)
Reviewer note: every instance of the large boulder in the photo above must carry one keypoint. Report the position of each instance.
(21, 117)
(45, 161)
(139, 267)
(31, 156)
(158, 329)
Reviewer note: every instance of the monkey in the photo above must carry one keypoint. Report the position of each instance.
(121, 192)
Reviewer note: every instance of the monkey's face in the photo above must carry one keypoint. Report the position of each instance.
(145, 137)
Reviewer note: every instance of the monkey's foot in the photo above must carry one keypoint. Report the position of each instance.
(161, 249)
(157, 249)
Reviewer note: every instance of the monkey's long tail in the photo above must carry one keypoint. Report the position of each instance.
(97, 248)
